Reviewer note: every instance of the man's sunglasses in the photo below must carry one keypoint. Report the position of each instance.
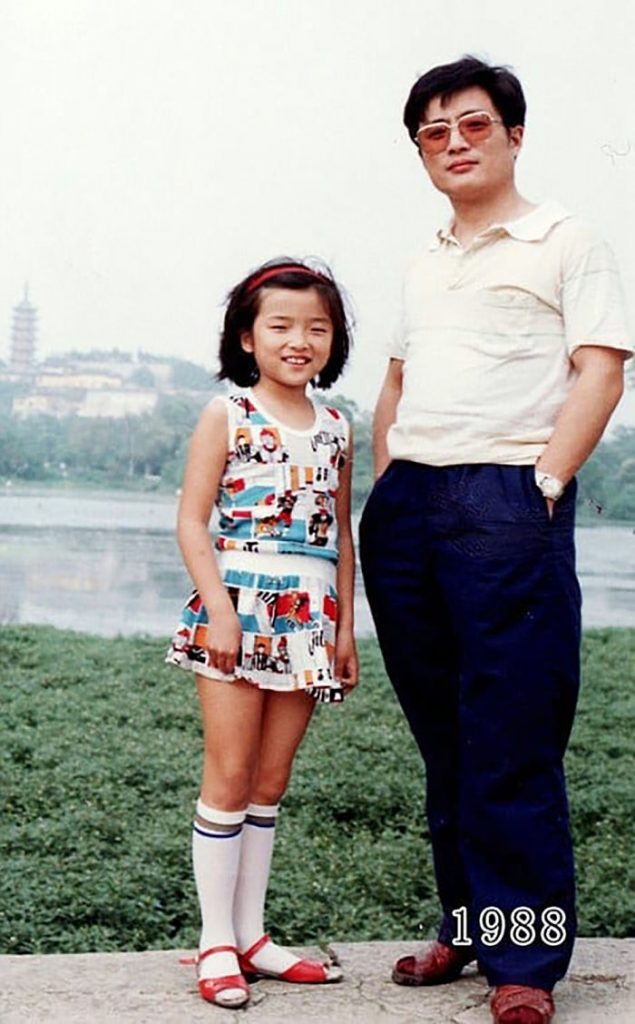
(475, 128)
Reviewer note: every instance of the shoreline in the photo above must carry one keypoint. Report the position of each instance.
(90, 491)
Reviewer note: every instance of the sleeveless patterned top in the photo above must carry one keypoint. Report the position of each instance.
(277, 493)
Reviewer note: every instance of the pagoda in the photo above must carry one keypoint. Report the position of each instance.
(23, 335)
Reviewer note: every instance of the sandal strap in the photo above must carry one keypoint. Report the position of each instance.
(306, 971)
(225, 981)
(212, 950)
(257, 946)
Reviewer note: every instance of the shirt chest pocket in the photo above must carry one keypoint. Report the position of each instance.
(514, 309)
(510, 323)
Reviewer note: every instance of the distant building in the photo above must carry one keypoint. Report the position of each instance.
(41, 403)
(91, 402)
(93, 384)
(78, 379)
(23, 335)
(118, 404)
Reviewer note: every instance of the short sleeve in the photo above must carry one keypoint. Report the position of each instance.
(592, 300)
(396, 347)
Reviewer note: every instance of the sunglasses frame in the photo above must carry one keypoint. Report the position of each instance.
(433, 148)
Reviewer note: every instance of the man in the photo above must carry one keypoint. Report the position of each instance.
(505, 371)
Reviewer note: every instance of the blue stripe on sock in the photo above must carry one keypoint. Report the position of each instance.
(217, 835)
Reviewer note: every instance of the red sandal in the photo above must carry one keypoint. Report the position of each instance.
(212, 989)
(520, 1004)
(305, 972)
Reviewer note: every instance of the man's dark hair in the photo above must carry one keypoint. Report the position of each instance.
(243, 305)
(444, 81)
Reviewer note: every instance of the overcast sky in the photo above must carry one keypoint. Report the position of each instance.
(153, 151)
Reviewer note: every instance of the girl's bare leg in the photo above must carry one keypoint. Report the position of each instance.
(232, 723)
(232, 717)
(284, 722)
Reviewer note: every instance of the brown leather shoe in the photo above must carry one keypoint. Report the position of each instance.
(438, 965)
(519, 1004)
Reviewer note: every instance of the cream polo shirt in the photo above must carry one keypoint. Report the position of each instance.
(487, 333)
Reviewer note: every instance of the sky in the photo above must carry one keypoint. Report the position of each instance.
(154, 151)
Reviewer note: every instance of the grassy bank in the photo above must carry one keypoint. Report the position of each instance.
(99, 765)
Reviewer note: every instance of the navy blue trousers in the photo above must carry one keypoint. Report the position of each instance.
(477, 609)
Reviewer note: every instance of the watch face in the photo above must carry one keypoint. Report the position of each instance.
(550, 487)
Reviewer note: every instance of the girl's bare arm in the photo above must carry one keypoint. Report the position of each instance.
(203, 472)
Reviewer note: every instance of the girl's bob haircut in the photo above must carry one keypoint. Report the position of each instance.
(243, 305)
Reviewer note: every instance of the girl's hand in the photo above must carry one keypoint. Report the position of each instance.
(223, 640)
(346, 666)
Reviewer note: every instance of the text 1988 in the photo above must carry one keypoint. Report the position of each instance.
(524, 929)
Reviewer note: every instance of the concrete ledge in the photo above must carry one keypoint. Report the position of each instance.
(139, 988)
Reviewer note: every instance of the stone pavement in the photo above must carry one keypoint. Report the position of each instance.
(140, 988)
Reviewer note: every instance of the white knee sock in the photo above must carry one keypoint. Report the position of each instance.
(251, 888)
(216, 841)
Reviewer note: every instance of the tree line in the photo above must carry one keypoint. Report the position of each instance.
(138, 452)
(606, 483)
(149, 451)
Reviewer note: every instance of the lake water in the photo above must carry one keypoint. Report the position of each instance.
(110, 565)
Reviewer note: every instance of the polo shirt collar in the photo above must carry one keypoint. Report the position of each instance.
(531, 227)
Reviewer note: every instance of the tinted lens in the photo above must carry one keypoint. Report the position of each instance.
(475, 128)
(433, 137)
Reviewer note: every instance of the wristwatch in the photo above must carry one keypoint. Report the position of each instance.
(549, 486)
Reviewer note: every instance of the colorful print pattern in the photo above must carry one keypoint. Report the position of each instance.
(279, 485)
(288, 638)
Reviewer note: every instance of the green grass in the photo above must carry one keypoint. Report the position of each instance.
(99, 770)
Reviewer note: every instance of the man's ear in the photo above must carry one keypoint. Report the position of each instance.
(516, 135)
(246, 341)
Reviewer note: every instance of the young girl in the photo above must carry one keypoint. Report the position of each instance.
(264, 630)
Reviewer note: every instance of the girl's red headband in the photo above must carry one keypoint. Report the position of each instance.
(283, 268)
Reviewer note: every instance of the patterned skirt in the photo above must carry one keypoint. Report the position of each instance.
(287, 607)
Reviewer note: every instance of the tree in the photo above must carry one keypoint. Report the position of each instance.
(606, 483)
(190, 376)
(142, 377)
